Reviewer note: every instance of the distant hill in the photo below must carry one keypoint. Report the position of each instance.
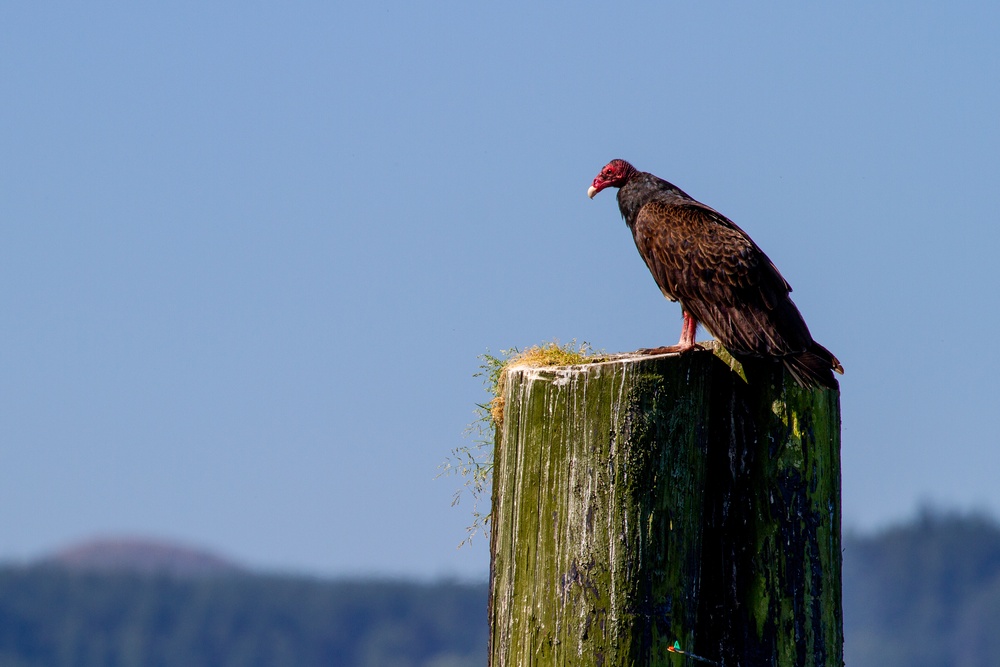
(922, 594)
(56, 617)
(142, 556)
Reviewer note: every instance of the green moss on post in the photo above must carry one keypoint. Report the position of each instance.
(644, 501)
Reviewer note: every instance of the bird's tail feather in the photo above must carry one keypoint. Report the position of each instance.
(814, 367)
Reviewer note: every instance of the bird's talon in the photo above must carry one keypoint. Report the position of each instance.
(670, 349)
(650, 351)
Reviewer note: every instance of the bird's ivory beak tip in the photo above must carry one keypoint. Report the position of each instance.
(591, 191)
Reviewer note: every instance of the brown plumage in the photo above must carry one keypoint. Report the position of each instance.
(718, 274)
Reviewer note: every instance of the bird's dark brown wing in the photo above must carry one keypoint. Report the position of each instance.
(720, 276)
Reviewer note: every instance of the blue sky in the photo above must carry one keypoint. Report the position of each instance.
(249, 253)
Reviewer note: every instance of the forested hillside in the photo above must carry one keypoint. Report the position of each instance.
(54, 618)
(922, 594)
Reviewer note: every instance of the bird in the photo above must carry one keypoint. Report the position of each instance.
(721, 278)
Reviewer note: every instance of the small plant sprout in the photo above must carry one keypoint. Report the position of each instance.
(474, 462)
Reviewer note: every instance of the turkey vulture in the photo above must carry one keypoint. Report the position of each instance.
(721, 278)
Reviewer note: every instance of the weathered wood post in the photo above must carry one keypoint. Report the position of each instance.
(644, 501)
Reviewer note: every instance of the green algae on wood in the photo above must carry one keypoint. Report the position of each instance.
(647, 500)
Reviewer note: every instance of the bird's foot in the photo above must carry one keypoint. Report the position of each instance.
(669, 349)
(649, 351)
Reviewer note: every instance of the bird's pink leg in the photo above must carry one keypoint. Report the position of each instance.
(688, 330)
(686, 342)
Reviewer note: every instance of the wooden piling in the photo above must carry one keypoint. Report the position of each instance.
(646, 505)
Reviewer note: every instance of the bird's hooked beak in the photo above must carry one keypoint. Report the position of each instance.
(591, 191)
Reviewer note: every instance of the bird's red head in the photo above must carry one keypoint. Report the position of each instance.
(615, 173)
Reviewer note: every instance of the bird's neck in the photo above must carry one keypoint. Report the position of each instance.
(641, 189)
